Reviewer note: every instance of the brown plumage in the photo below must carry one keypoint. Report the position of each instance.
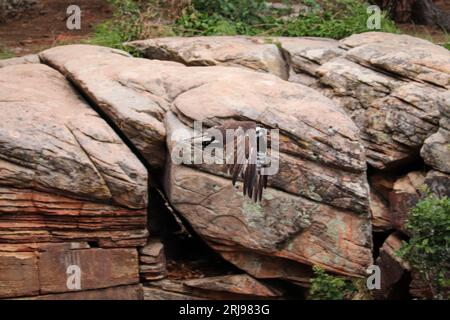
(248, 161)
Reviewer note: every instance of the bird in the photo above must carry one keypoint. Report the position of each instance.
(246, 154)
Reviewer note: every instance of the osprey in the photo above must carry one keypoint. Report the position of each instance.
(247, 156)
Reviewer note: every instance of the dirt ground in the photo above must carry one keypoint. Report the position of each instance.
(45, 26)
(432, 34)
(429, 33)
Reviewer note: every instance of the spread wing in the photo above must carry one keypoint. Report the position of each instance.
(247, 165)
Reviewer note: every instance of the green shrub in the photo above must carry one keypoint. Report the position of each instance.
(124, 26)
(5, 53)
(337, 19)
(428, 250)
(140, 19)
(196, 23)
(132, 20)
(333, 19)
(222, 17)
(107, 34)
(328, 287)
(248, 11)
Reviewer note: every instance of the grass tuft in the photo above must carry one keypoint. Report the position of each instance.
(6, 54)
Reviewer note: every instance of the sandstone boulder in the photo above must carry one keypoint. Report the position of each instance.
(131, 292)
(319, 192)
(404, 196)
(231, 287)
(436, 148)
(64, 174)
(169, 290)
(152, 261)
(106, 76)
(394, 271)
(438, 183)
(393, 94)
(385, 51)
(392, 197)
(285, 225)
(19, 274)
(234, 285)
(42, 269)
(67, 175)
(155, 294)
(395, 116)
(269, 267)
(251, 53)
(100, 268)
(305, 55)
(219, 85)
(32, 58)
(382, 184)
(275, 55)
(381, 214)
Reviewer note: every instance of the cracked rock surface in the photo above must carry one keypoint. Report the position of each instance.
(322, 177)
(394, 94)
(63, 170)
(246, 52)
(363, 123)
